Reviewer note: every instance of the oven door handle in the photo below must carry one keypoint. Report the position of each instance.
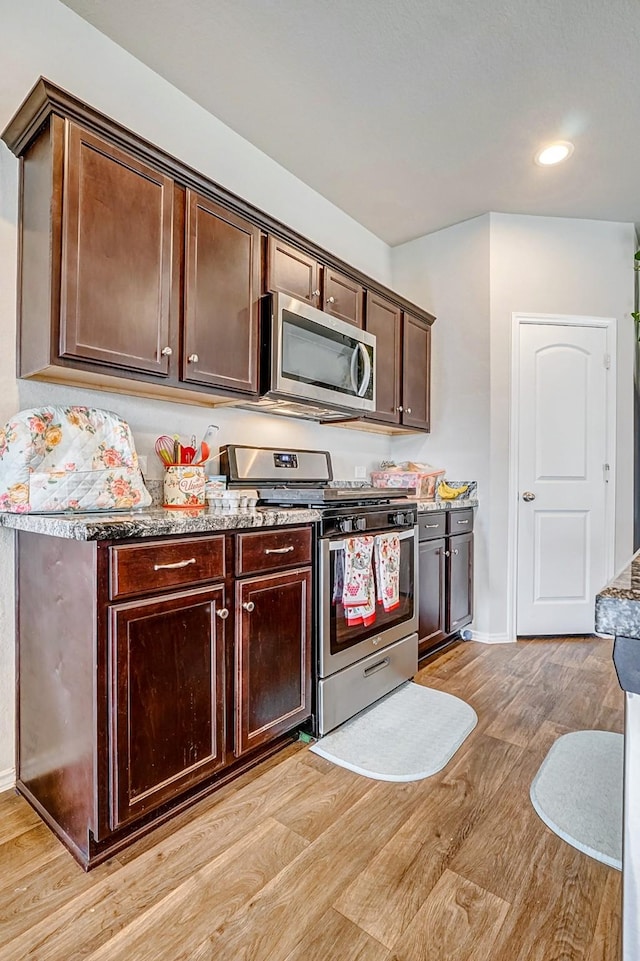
(403, 535)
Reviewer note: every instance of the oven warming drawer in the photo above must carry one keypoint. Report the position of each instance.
(344, 694)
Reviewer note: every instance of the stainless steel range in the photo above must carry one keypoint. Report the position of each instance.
(367, 541)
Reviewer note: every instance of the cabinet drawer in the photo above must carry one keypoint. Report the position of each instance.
(269, 551)
(460, 521)
(431, 524)
(176, 562)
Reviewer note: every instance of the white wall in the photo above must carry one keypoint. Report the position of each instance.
(449, 270)
(43, 37)
(474, 276)
(556, 265)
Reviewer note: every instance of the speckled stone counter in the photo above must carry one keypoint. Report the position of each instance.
(152, 522)
(618, 613)
(440, 505)
(618, 605)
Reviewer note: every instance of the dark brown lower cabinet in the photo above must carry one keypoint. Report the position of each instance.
(166, 676)
(445, 573)
(273, 655)
(459, 582)
(129, 707)
(432, 594)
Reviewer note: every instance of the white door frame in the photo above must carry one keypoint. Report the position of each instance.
(556, 320)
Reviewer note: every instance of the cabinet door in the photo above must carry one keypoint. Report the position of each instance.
(416, 372)
(459, 582)
(383, 320)
(117, 267)
(166, 679)
(342, 297)
(222, 298)
(273, 656)
(431, 594)
(292, 272)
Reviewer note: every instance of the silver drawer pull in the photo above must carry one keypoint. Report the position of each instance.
(173, 567)
(430, 526)
(279, 550)
(462, 522)
(223, 613)
(378, 666)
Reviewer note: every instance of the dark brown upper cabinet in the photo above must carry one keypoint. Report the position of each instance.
(416, 373)
(342, 297)
(222, 297)
(116, 270)
(139, 274)
(290, 271)
(403, 366)
(384, 320)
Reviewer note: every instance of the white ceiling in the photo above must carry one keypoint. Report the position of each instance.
(412, 115)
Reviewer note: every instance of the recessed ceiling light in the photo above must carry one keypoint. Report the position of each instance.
(554, 153)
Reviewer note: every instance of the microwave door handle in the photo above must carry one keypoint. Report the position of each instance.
(354, 370)
(366, 376)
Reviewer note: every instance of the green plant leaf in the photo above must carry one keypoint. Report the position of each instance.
(636, 256)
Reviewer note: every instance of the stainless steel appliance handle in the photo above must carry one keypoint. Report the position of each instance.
(360, 389)
(378, 666)
(366, 375)
(402, 536)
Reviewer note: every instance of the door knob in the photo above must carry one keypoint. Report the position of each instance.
(249, 606)
(166, 351)
(528, 496)
(193, 358)
(222, 613)
(331, 300)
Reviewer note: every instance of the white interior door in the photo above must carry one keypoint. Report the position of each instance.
(562, 476)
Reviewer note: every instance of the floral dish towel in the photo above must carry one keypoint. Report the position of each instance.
(69, 459)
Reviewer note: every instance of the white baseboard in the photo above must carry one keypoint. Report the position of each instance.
(492, 638)
(7, 778)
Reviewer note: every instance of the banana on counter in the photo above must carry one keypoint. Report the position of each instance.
(447, 493)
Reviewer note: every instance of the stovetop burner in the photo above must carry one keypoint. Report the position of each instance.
(332, 496)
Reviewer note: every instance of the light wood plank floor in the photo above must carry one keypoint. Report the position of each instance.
(300, 860)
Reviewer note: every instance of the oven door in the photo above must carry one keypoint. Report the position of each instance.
(341, 644)
(319, 358)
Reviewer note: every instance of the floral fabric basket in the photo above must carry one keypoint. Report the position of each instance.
(69, 459)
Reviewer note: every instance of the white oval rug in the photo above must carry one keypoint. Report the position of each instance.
(578, 793)
(408, 735)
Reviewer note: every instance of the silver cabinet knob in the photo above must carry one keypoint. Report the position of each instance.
(455, 550)
(193, 358)
(222, 613)
(316, 293)
(166, 351)
(528, 496)
(447, 553)
(400, 409)
(249, 606)
(408, 410)
(331, 300)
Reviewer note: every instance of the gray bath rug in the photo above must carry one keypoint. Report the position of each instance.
(578, 793)
(408, 735)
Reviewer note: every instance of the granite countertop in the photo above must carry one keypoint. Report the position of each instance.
(152, 522)
(618, 605)
(440, 505)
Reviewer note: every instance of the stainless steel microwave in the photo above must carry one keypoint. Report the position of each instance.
(316, 362)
